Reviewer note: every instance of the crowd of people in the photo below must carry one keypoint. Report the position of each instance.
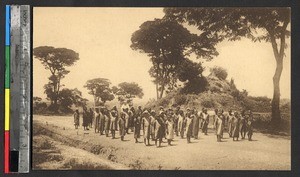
(165, 124)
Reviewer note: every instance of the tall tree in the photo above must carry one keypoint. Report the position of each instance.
(258, 24)
(100, 89)
(127, 91)
(56, 60)
(167, 43)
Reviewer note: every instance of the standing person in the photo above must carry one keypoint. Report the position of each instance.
(76, 119)
(131, 114)
(170, 129)
(85, 117)
(223, 121)
(243, 125)
(102, 121)
(97, 120)
(180, 124)
(196, 123)
(106, 122)
(249, 126)
(122, 123)
(139, 112)
(146, 127)
(219, 126)
(113, 123)
(230, 119)
(125, 111)
(176, 119)
(205, 120)
(91, 116)
(137, 126)
(152, 125)
(159, 130)
(189, 125)
(235, 126)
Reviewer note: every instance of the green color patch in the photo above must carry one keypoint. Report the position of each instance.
(7, 66)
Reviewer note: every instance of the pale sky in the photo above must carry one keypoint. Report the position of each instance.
(102, 36)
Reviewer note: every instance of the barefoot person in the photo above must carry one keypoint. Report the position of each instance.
(159, 129)
(243, 125)
(152, 123)
(230, 119)
(76, 119)
(170, 129)
(205, 120)
(106, 122)
(137, 125)
(113, 123)
(97, 120)
(85, 117)
(189, 125)
(146, 127)
(180, 123)
(249, 126)
(235, 127)
(121, 124)
(219, 125)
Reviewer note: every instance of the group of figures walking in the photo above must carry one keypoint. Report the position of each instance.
(164, 124)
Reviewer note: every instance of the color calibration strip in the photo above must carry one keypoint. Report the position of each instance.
(7, 90)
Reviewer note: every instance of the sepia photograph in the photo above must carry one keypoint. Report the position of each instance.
(168, 88)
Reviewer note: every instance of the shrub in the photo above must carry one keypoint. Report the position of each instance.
(219, 72)
(208, 103)
(180, 99)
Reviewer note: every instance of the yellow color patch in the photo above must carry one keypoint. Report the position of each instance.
(7, 108)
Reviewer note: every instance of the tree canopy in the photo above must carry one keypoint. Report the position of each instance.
(168, 43)
(258, 24)
(100, 89)
(126, 91)
(56, 60)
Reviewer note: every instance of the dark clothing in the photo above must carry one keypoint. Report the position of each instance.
(137, 127)
(205, 122)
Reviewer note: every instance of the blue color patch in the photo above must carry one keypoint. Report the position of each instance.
(7, 25)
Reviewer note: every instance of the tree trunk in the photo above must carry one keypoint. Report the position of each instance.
(276, 94)
(278, 53)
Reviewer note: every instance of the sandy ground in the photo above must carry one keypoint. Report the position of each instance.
(265, 152)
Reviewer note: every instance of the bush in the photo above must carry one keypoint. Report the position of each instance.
(180, 99)
(219, 72)
(195, 86)
(208, 103)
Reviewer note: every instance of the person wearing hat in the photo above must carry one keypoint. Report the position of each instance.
(121, 123)
(152, 125)
(205, 120)
(76, 118)
(113, 123)
(189, 125)
(235, 126)
(146, 127)
(159, 129)
(219, 126)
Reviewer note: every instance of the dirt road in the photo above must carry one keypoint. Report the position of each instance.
(265, 152)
